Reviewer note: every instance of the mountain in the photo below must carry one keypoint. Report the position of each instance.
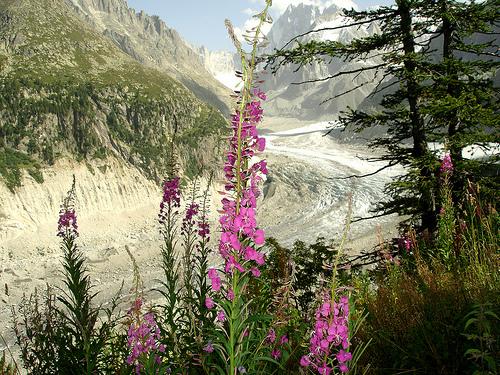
(310, 101)
(305, 101)
(151, 42)
(221, 64)
(68, 91)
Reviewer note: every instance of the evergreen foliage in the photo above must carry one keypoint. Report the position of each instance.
(436, 82)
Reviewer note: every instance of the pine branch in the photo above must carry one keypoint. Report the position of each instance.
(332, 28)
(359, 219)
(390, 165)
(339, 74)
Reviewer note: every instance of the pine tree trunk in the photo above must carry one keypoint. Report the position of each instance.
(420, 148)
(453, 91)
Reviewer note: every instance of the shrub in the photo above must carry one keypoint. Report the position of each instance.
(417, 311)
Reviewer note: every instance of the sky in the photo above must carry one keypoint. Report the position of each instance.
(201, 22)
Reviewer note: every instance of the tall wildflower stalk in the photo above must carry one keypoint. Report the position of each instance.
(330, 340)
(204, 316)
(187, 320)
(189, 237)
(85, 341)
(168, 216)
(143, 333)
(446, 219)
(237, 338)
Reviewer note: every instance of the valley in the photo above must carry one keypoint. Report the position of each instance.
(117, 208)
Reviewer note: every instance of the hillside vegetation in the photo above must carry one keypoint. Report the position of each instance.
(66, 91)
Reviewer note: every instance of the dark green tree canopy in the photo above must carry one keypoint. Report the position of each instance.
(436, 83)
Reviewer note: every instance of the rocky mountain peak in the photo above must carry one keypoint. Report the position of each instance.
(296, 19)
(150, 41)
(304, 100)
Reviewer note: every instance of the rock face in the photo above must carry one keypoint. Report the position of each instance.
(69, 93)
(102, 187)
(151, 42)
(313, 101)
(221, 64)
(306, 101)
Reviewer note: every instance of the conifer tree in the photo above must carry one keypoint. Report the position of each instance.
(429, 92)
(461, 101)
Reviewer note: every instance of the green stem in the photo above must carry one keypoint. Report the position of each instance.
(232, 319)
(248, 71)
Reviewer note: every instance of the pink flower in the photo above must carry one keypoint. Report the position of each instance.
(283, 339)
(259, 237)
(305, 361)
(325, 309)
(237, 219)
(324, 369)
(230, 294)
(209, 303)
(231, 264)
(446, 164)
(405, 243)
(209, 348)
(215, 279)
(276, 353)
(344, 356)
(221, 316)
(331, 333)
(212, 273)
(261, 144)
(343, 368)
(260, 94)
(271, 336)
(255, 271)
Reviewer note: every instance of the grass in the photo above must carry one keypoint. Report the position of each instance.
(418, 312)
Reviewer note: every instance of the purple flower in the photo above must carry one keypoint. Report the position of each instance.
(203, 229)
(221, 316)
(171, 199)
(283, 339)
(260, 94)
(209, 348)
(67, 225)
(271, 336)
(276, 354)
(230, 294)
(188, 222)
(255, 271)
(209, 303)
(191, 211)
(407, 244)
(446, 164)
(246, 332)
(142, 337)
